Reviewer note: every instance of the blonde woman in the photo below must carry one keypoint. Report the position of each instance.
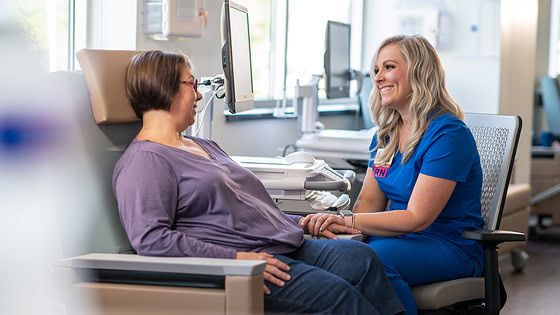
(423, 184)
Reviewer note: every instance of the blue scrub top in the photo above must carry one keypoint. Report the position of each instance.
(447, 150)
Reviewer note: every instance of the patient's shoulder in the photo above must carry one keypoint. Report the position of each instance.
(141, 156)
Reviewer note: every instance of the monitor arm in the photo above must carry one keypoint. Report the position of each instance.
(306, 103)
(208, 87)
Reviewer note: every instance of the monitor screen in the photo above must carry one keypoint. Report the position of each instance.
(337, 60)
(551, 101)
(236, 57)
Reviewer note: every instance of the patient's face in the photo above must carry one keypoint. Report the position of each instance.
(184, 103)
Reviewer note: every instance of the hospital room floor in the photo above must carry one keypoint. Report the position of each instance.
(536, 290)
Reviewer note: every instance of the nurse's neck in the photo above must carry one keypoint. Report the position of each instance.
(406, 120)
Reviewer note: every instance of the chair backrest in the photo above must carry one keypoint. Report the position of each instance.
(496, 138)
(104, 124)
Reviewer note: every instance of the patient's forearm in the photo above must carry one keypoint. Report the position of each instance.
(162, 241)
(295, 218)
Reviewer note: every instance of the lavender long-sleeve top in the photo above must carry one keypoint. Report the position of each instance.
(175, 203)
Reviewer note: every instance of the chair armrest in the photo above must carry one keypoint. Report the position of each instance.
(177, 265)
(494, 291)
(494, 237)
(118, 281)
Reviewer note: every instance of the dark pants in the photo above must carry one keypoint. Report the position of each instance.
(333, 277)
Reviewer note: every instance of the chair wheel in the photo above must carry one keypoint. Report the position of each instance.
(519, 259)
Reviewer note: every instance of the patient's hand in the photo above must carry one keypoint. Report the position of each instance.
(273, 272)
(318, 225)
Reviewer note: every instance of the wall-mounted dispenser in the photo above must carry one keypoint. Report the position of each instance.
(174, 18)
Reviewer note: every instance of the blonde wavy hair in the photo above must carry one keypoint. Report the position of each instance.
(429, 95)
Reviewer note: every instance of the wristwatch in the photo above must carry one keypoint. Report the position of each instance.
(348, 217)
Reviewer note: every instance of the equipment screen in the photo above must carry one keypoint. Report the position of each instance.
(236, 54)
(337, 60)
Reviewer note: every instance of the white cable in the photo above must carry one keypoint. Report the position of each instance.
(204, 112)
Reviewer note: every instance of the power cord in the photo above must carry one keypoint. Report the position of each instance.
(287, 147)
(205, 109)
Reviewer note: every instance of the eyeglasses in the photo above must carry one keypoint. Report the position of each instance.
(194, 84)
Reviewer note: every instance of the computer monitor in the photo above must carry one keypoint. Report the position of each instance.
(236, 57)
(337, 60)
(551, 100)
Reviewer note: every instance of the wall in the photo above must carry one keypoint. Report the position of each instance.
(255, 138)
(487, 48)
(470, 56)
(542, 60)
(518, 20)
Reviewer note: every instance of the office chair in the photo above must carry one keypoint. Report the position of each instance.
(545, 172)
(101, 273)
(496, 139)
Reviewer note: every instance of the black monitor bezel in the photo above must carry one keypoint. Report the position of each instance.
(332, 91)
(227, 61)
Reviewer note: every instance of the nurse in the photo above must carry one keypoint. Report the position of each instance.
(423, 184)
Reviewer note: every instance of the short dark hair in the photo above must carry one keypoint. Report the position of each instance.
(152, 80)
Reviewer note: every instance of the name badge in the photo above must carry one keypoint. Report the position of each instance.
(377, 161)
(379, 169)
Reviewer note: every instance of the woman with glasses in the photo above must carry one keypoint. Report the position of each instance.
(184, 196)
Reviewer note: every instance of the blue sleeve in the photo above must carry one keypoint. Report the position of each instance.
(450, 153)
(372, 153)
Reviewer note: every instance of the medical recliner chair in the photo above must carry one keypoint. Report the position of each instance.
(496, 139)
(101, 273)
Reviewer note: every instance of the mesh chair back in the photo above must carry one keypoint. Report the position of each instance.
(496, 138)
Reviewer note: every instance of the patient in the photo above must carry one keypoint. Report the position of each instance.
(184, 196)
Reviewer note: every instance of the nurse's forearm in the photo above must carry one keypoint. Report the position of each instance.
(366, 207)
(389, 223)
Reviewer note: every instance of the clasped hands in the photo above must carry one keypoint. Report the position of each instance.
(319, 224)
(326, 225)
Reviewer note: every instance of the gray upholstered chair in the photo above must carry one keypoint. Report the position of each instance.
(101, 273)
(496, 138)
(545, 168)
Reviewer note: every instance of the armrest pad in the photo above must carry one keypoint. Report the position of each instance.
(183, 265)
(493, 237)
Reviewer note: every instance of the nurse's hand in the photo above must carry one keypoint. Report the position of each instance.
(273, 272)
(326, 225)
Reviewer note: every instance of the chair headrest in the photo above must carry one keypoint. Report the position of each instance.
(104, 72)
